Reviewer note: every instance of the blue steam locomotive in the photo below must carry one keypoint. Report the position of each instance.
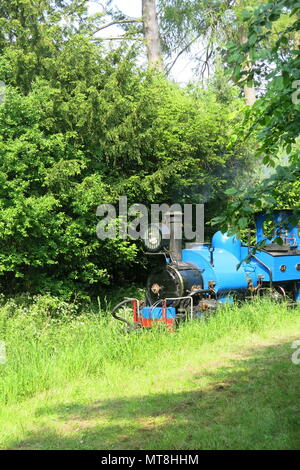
(192, 282)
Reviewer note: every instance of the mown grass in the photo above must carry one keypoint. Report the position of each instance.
(73, 379)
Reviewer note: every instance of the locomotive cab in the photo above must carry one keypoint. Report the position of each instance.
(279, 233)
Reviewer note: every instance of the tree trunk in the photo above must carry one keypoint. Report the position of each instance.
(250, 92)
(151, 34)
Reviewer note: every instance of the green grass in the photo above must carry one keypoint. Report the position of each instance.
(73, 380)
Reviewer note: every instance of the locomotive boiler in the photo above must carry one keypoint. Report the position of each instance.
(193, 282)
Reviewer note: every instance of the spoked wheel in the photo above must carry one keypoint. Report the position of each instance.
(276, 293)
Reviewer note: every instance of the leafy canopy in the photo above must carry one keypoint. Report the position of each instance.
(83, 125)
(275, 117)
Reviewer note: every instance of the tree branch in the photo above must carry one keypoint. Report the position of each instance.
(117, 38)
(181, 52)
(117, 22)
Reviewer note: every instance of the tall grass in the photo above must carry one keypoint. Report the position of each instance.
(50, 343)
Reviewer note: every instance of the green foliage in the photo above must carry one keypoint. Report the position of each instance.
(203, 26)
(274, 119)
(51, 179)
(182, 139)
(279, 191)
(81, 126)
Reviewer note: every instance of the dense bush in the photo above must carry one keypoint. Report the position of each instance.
(82, 126)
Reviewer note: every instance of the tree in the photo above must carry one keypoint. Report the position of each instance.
(209, 24)
(275, 117)
(149, 31)
(186, 23)
(32, 33)
(152, 35)
(83, 125)
(249, 90)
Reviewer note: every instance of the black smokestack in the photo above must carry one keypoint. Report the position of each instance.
(175, 222)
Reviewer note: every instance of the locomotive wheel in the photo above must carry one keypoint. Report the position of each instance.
(277, 295)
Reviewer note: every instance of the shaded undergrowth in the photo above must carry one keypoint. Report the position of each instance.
(249, 403)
